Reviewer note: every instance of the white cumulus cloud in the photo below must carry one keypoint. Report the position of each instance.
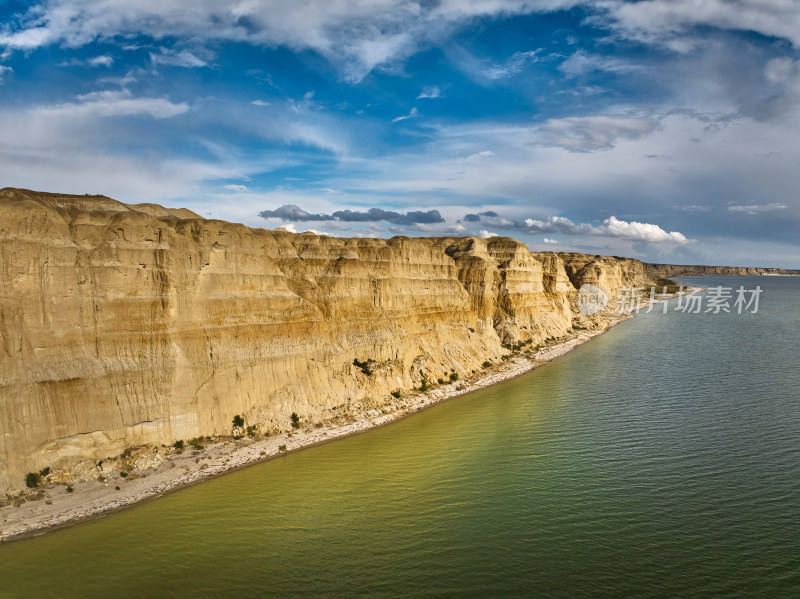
(634, 231)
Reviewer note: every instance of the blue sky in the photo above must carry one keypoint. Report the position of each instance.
(666, 130)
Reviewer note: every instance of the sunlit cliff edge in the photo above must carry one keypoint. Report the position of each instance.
(130, 325)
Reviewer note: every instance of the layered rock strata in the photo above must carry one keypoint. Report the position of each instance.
(135, 325)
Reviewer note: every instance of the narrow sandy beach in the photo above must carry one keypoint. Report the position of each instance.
(53, 506)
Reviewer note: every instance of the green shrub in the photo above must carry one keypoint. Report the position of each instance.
(396, 394)
(116, 488)
(123, 475)
(364, 366)
(252, 431)
(453, 377)
(440, 381)
(178, 445)
(32, 479)
(44, 471)
(238, 421)
(282, 448)
(197, 443)
(295, 420)
(70, 489)
(487, 364)
(424, 386)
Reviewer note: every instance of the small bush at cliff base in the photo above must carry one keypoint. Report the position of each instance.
(123, 475)
(44, 471)
(453, 377)
(282, 448)
(295, 420)
(178, 445)
(70, 489)
(238, 421)
(32, 479)
(396, 394)
(487, 364)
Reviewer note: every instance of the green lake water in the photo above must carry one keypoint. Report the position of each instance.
(659, 460)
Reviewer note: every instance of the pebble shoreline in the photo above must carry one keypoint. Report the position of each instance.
(97, 498)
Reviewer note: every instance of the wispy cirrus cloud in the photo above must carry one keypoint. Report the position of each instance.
(109, 103)
(516, 63)
(758, 208)
(361, 35)
(358, 36)
(412, 114)
(581, 62)
(182, 58)
(432, 92)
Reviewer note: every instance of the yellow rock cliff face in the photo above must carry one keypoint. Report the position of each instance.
(129, 325)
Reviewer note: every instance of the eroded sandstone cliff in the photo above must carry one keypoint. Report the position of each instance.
(129, 325)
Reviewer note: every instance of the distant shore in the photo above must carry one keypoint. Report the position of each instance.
(56, 507)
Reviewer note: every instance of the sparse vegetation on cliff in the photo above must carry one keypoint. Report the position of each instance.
(364, 366)
(295, 420)
(671, 286)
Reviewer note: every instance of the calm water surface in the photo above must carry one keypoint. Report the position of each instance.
(659, 460)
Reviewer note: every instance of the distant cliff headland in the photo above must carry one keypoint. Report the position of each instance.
(668, 271)
(125, 326)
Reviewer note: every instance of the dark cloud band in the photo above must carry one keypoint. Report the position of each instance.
(290, 212)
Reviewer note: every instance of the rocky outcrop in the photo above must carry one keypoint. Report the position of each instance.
(132, 325)
(666, 271)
